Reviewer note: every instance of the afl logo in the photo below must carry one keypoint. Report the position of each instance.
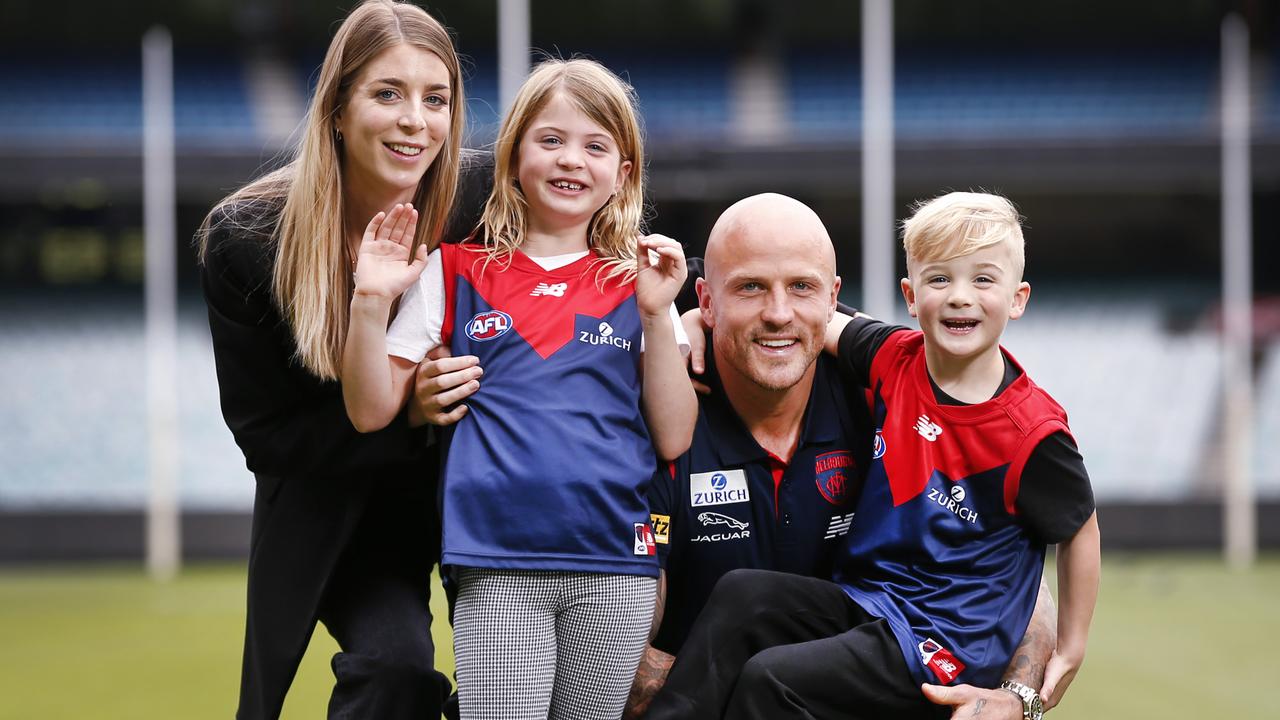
(877, 450)
(718, 481)
(488, 325)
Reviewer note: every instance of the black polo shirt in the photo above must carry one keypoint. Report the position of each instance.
(728, 503)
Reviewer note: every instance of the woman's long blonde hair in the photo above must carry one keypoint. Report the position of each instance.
(312, 281)
(610, 103)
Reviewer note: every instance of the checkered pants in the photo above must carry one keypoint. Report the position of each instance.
(539, 644)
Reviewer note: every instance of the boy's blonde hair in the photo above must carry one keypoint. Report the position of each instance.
(312, 282)
(610, 103)
(961, 223)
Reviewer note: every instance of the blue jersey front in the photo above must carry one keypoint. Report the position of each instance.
(938, 550)
(548, 469)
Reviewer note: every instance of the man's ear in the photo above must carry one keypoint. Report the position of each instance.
(704, 302)
(1020, 298)
(835, 297)
(909, 294)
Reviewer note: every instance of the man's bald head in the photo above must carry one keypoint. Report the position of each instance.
(769, 292)
(773, 219)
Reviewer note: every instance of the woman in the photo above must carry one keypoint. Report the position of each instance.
(344, 524)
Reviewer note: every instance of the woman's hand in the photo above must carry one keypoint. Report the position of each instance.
(385, 267)
(443, 382)
(661, 274)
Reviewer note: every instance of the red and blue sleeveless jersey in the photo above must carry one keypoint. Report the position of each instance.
(938, 550)
(548, 469)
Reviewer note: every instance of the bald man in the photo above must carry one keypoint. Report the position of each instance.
(781, 443)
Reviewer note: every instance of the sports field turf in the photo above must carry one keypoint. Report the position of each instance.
(1174, 637)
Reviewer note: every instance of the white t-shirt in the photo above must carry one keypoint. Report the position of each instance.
(417, 328)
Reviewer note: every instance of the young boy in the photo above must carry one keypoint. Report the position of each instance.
(973, 473)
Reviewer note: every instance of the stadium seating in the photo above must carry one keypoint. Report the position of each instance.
(73, 428)
(685, 95)
(96, 101)
(1266, 450)
(969, 94)
(64, 363)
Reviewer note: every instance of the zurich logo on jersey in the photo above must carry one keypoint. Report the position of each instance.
(877, 450)
(488, 325)
(718, 487)
(604, 335)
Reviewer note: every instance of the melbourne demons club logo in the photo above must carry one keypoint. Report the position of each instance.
(488, 325)
(831, 473)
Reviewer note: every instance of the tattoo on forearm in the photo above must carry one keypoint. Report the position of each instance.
(1032, 654)
(650, 677)
(1027, 666)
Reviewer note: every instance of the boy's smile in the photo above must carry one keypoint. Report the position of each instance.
(964, 303)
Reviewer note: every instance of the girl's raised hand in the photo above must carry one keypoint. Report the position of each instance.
(385, 266)
(661, 273)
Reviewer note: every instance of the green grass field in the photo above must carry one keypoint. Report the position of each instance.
(1174, 637)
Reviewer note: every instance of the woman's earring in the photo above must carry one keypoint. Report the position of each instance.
(337, 133)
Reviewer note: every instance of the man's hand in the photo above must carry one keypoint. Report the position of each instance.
(442, 381)
(971, 702)
(650, 676)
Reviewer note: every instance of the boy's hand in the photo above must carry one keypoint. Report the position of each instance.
(660, 274)
(385, 268)
(967, 701)
(697, 332)
(1058, 675)
(443, 381)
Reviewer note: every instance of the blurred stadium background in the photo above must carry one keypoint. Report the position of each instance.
(1100, 119)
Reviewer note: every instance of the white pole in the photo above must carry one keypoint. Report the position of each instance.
(879, 281)
(1239, 518)
(513, 49)
(163, 538)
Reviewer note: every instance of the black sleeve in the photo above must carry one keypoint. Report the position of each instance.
(661, 493)
(859, 343)
(687, 299)
(475, 182)
(1055, 497)
(285, 420)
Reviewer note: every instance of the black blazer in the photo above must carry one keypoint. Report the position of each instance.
(315, 473)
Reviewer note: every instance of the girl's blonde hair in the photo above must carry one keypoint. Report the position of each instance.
(312, 281)
(610, 103)
(961, 223)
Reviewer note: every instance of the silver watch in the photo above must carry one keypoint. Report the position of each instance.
(1032, 708)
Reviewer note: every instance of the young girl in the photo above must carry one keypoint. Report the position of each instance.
(545, 524)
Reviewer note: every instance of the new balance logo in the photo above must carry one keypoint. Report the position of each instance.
(927, 428)
(544, 289)
(838, 526)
